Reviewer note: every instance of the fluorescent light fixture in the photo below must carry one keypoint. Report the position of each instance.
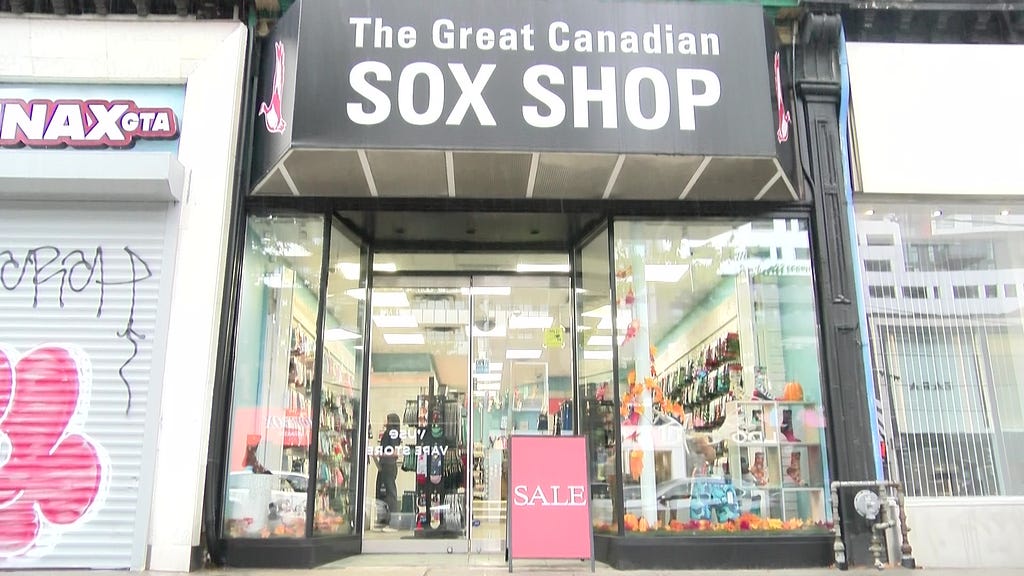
(382, 298)
(664, 272)
(487, 377)
(489, 386)
(520, 322)
(542, 268)
(385, 267)
(395, 338)
(869, 212)
(603, 340)
(349, 270)
(495, 366)
(522, 354)
(488, 290)
(335, 334)
(936, 213)
(597, 354)
(395, 321)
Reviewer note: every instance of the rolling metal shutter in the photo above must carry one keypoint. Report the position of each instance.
(78, 314)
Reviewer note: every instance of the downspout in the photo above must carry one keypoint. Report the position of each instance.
(213, 497)
(844, 137)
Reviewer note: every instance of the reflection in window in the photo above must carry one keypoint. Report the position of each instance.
(271, 409)
(948, 373)
(720, 397)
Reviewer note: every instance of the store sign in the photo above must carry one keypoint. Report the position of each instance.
(81, 123)
(574, 76)
(549, 501)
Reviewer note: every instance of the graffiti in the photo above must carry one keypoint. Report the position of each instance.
(76, 271)
(52, 475)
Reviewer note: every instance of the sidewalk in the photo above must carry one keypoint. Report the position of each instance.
(462, 565)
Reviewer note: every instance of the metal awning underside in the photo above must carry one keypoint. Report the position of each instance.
(517, 175)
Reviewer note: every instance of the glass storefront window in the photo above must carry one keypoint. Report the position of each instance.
(720, 409)
(945, 347)
(292, 420)
(595, 383)
(271, 412)
(340, 398)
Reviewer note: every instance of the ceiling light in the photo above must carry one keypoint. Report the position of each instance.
(597, 354)
(385, 267)
(382, 298)
(664, 272)
(520, 322)
(1004, 213)
(416, 338)
(486, 377)
(604, 340)
(395, 321)
(602, 312)
(936, 213)
(489, 386)
(335, 334)
(522, 354)
(869, 212)
(523, 268)
(349, 270)
(488, 290)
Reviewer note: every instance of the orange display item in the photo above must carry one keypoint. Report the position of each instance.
(636, 463)
(793, 392)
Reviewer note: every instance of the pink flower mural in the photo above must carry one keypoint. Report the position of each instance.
(51, 474)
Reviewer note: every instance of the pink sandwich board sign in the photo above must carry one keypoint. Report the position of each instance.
(549, 499)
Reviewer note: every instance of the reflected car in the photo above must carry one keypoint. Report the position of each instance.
(287, 492)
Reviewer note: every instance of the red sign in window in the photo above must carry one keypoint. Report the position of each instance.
(549, 498)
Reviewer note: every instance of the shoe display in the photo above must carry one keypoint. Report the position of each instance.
(758, 470)
(786, 427)
(793, 474)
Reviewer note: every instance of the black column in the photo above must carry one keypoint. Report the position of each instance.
(818, 94)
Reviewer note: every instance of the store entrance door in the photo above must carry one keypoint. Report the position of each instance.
(457, 364)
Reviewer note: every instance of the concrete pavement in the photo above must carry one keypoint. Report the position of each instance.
(463, 565)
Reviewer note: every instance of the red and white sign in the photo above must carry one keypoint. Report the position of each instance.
(549, 498)
(81, 123)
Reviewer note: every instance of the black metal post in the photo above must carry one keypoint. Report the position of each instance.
(818, 84)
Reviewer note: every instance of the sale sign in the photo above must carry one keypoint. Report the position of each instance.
(549, 498)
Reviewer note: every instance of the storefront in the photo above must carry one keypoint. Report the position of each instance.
(108, 173)
(942, 278)
(466, 224)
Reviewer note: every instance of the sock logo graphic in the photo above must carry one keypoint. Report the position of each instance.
(52, 475)
(783, 132)
(271, 111)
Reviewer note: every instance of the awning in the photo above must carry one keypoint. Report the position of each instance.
(576, 100)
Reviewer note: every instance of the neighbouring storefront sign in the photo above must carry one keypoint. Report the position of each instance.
(574, 76)
(81, 123)
(549, 498)
(90, 117)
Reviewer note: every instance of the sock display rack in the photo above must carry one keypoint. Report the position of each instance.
(440, 494)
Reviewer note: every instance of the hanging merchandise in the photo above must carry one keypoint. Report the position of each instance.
(636, 463)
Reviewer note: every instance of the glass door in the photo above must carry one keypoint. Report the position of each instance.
(521, 384)
(457, 364)
(415, 482)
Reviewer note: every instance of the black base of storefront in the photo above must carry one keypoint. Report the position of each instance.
(713, 552)
(288, 553)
